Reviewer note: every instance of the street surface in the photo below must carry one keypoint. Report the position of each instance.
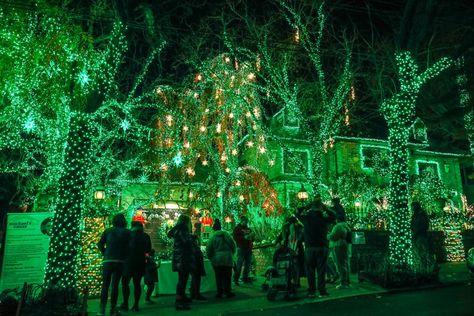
(453, 301)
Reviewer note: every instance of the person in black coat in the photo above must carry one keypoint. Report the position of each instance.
(151, 275)
(139, 246)
(114, 246)
(316, 219)
(200, 271)
(183, 260)
(420, 224)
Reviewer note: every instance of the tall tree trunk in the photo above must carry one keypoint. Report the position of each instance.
(62, 256)
(400, 246)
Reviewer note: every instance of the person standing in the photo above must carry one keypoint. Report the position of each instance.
(183, 260)
(114, 247)
(199, 271)
(316, 219)
(340, 236)
(243, 237)
(338, 209)
(220, 250)
(139, 246)
(420, 224)
(151, 275)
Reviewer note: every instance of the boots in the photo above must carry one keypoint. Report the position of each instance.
(135, 307)
(101, 310)
(182, 302)
(114, 311)
(181, 306)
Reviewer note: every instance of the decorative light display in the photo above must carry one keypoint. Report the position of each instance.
(464, 101)
(61, 264)
(89, 274)
(451, 221)
(399, 112)
(273, 79)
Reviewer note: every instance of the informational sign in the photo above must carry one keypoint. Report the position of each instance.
(358, 238)
(26, 249)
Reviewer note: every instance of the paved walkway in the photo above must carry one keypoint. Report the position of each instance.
(252, 297)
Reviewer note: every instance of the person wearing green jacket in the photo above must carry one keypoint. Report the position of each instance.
(220, 250)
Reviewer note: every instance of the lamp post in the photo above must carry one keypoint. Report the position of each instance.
(302, 195)
(99, 194)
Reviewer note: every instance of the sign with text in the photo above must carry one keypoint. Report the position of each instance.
(26, 249)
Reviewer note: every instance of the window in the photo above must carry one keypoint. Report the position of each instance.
(468, 175)
(291, 161)
(374, 157)
(423, 167)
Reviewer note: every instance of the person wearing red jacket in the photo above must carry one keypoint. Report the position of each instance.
(243, 237)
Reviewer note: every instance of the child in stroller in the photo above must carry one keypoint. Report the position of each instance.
(279, 277)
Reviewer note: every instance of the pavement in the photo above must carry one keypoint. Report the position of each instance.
(251, 297)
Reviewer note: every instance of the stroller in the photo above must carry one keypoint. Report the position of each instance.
(279, 277)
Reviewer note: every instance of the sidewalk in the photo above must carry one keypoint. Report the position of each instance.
(252, 297)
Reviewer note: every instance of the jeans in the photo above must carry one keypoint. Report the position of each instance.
(195, 284)
(342, 261)
(183, 277)
(137, 287)
(111, 273)
(150, 287)
(316, 259)
(244, 258)
(223, 279)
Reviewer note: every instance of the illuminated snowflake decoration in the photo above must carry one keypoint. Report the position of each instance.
(178, 159)
(29, 125)
(125, 125)
(83, 78)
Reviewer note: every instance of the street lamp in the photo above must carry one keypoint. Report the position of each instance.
(302, 195)
(99, 194)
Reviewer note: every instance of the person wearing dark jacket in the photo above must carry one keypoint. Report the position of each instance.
(114, 246)
(316, 219)
(151, 275)
(183, 260)
(199, 271)
(220, 250)
(139, 246)
(420, 224)
(243, 237)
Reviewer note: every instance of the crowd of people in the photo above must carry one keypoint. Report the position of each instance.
(317, 236)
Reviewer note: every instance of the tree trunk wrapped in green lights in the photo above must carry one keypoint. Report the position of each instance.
(399, 112)
(61, 266)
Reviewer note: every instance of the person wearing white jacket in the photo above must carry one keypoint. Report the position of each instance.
(340, 237)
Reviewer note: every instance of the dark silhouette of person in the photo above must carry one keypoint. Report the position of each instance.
(139, 246)
(151, 275)
(316, 219)
(292, 237)
(114, 246)
(220, 250)
(420, 224)
(243, 237)
(200, 271)
(338, 209)
(183, 260)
